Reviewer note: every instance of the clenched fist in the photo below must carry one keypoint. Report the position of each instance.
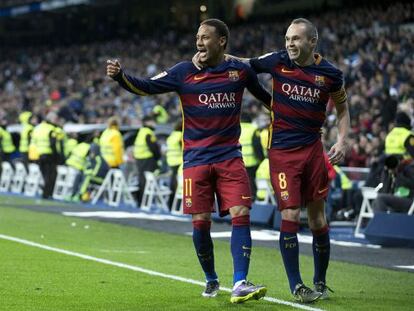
(113, 67)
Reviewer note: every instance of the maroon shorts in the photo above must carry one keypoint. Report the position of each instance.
(227, 179)
(298, 175)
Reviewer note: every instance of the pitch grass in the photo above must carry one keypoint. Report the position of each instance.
(37, 279)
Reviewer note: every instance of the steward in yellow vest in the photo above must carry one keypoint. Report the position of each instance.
(26, 120)
(146, 152)
(71, 142)
(6, 144)
(174, 156)
(174, 148)
(77, 158)
(112, 145)
(252, 150)
(400, 141)
(160, 114)
(95, 171)
(44, 141)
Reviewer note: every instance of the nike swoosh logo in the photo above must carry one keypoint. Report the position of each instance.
(245, 198)
(199, 77)
(289, 238)
(323, 190)
(284, 70)
(245, 247)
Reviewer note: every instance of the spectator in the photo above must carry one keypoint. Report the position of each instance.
(402, 198)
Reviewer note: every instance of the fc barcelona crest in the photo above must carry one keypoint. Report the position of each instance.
(188, 202)
(320, 80)
(233, 75)
(284, 195)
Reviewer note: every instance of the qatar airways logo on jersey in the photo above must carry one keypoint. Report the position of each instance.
(301, 93)
(218, 100)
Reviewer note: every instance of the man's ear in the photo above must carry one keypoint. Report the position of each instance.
(223, 41)
(314, 41)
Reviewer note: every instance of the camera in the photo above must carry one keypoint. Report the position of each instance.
(392, 161)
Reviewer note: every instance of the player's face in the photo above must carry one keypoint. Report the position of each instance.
(298, 44)
(209, 44)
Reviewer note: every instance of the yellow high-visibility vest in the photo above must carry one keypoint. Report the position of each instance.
(77, 157)
(69, 145)
(263, 172)
(174, 150)
(24, 137)
(394, 141)
(6, 141)
(162, 114)
(112, 147)
(264, 139)
(248, 131)
(346, 183)
(60, 139)
(141, 149)
(41, 138)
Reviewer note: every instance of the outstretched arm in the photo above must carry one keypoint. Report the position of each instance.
(161, 83)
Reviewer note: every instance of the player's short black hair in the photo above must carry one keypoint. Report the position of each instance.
(221, 28)
(311, 30)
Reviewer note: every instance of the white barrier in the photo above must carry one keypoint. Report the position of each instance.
(6, 176)
(19, 178)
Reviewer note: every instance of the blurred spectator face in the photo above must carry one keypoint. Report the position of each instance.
(209, 44)
(298, 44)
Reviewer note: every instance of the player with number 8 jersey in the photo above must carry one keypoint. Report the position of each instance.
(303, 83)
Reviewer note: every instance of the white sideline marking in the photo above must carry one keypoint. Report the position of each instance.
(143, 270)
(405, 267)
(121, 215)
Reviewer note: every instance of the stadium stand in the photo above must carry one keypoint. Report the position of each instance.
(377, 61)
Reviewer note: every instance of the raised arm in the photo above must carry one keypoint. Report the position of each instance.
(162, 83)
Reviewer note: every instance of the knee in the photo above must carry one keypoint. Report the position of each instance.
(201, 217)
(291, 214)
(237, 211)
(317, 223)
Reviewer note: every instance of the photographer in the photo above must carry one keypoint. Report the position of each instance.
(402, 186)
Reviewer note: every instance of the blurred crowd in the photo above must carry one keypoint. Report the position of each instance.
(373, 46)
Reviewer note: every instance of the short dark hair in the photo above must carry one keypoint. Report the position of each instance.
(221, 28)
(311, 30)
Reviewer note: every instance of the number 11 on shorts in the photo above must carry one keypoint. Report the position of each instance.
(187, 187)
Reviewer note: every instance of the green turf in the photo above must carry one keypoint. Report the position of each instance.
(37, 279)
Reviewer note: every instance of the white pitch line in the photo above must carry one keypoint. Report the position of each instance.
(143, 270)
(405, 267)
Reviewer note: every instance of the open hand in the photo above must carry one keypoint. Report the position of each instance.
(337, 153)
